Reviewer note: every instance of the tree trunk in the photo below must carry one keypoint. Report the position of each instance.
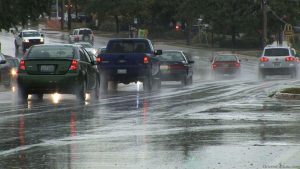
(233, 36)
(62, 15)
(117, 24)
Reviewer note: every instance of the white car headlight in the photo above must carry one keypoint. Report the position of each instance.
(42, 40)
(25, 40)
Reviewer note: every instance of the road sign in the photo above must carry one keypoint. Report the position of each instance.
(288, 30)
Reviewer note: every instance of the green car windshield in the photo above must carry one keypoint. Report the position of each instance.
(51, 52)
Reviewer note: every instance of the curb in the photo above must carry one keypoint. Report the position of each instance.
(287, 96)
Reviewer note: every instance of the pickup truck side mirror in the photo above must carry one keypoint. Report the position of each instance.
(158, 52)
(42, 35)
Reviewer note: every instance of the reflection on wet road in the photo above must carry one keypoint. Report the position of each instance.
(229, 123)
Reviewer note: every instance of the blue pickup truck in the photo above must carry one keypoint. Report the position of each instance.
(127, 61)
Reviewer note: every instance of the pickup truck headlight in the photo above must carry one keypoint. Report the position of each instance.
(26, 40)
(42, 40)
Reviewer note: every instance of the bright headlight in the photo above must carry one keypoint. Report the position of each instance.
(25, 40)
(13, 72)
(42, 39)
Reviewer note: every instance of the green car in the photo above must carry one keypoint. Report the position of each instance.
(64, 69)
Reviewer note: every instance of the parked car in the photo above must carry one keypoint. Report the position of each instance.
(66, 69)
(130, 60)
(82, 34)
(88, 47)
(278, 60)
(8, 71)
(176, 66)
(226, 64)
(27, 38)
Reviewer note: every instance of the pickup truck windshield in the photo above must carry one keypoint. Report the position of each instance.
(128, 47)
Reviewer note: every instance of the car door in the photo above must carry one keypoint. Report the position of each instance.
(87, 68)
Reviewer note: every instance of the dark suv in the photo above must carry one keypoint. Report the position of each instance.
(130, 60)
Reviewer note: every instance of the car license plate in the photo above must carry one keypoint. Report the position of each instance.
(164, 67)
(122, 71)
(276, 64)
(47, 68)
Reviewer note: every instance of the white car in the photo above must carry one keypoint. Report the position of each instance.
(82, 35)
(278, 60)
(27, 38)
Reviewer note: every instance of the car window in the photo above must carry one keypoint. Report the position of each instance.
(225, 58)
(31, 34)
(128, 47)
(277, 52)
(172, 56)
(85, 32)
(46, 52)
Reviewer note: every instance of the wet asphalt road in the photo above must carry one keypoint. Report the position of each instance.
(226, 123)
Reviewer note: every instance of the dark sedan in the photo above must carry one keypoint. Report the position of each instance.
(64, 69)
(176, 66)
(226, 64)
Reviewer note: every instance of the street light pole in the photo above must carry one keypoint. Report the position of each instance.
(265, 22)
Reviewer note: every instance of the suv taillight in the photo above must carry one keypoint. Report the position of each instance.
(264, 59)
(146, 59)
(290, 59)
(22, 65)
(74, 65)
(99, 59)
(214, 66)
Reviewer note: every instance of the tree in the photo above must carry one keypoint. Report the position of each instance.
(19, 11)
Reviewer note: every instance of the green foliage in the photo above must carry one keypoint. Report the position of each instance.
(16, 12)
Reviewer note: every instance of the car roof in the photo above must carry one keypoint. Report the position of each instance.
(67, 45)
(274, 47)
(82, 29)
(30, 30)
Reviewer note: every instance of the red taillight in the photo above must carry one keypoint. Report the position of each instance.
(214, 66)
(237, 65)
(99, 59)
(74, 65)
(22, 65)
(290, 59)
(264, 59)
(146, 59)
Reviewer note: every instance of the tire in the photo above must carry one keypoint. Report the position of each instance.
(81, 95)
(156, 84)
(114, 86)
(95, 94)
(293, 73)
(184, 81)
(39, 96)
(103, 83)
(147, 84)
(22, 94)
(190, 80)
(261, 76)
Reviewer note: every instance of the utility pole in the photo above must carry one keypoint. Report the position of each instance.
(265, 22)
